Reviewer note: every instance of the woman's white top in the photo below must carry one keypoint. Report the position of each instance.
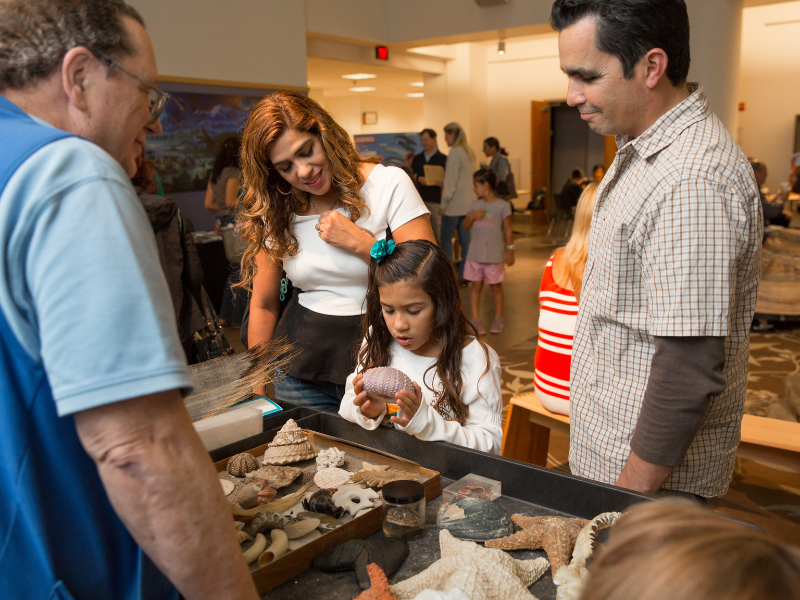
(334, 281)
(458, 195)
(480, 393)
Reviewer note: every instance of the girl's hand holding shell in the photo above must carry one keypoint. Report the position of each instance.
(370, 408)
(409, 405)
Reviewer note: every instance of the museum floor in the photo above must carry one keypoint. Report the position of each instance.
(766, 494)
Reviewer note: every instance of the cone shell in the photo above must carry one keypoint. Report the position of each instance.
(331, 478)
(384, 382)
(283, 455)
(289, 434)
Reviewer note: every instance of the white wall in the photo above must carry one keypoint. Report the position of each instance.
(395, 115)
(252, 41)
(770, 86)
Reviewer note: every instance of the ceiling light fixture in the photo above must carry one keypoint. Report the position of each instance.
(357, 76)
(416, 95)
(417, 84)
(501, 47)
(362, 89)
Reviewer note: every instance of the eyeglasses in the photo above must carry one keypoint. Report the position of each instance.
(158, 99)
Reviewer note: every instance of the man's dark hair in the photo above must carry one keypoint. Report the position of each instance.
(36, 34)
(628, 29)
(430, 132)
(757, 165)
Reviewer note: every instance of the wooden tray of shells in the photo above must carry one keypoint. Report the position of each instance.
(305, 493)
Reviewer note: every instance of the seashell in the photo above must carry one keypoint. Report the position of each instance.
(382, 383)
(332, 478)
(278, 477)
(238, 525)
(570, 578)
(309, 537)
(278, 547)
(300, 528)
(263, 523)
(266, 495)
(285, 454)
(322, 502)
(255, 550)
(326, 522)
(374, 478)
(403, 517)
(294, 510)
(365, 466)
(474, 519)
(248, 495)
(227, 486)
(330, 457)
(354, 498)
(278, 506)
(241, 464)
(243, 537)
(288, 435)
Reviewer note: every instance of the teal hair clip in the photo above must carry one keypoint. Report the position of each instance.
(381, 249)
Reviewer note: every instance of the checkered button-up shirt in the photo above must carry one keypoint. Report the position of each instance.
(674, 251)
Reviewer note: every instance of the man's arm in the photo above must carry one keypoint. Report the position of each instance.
(685, 373)
(162, 484)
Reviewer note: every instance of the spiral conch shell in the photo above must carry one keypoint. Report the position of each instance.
(290, 445)
(382, 383)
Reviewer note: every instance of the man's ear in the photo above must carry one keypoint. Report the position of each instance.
(655, 62)
(76, 74)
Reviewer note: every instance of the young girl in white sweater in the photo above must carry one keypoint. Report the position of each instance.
(415, 323)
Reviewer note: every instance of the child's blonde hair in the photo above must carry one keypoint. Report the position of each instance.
(577, 248)
(678, 550)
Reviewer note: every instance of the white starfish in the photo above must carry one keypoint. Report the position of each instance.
(481, 573)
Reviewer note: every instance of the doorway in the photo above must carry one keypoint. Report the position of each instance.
(572, 145)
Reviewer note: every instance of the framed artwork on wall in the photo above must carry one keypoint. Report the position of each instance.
(392, 147)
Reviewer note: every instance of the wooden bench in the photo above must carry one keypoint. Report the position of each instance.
(527, 435)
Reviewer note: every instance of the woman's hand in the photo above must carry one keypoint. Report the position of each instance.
(409, 405)
(371, 409)
(340, 232)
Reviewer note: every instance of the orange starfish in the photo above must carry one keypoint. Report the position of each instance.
(556, 535)
(380, 585)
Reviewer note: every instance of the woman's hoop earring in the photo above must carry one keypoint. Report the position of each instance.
(278, 187)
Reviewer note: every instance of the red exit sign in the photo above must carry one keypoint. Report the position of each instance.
(381, 53)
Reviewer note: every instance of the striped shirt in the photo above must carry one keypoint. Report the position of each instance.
(558, 312)
(673, 251)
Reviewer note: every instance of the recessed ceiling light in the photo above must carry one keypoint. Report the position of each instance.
(416, 95)
(417, 84)
(359, 76)
(362, 89)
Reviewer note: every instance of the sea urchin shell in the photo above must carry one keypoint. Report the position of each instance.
(382, 383)
(241, 464)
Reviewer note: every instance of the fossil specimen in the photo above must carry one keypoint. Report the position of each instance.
(569, 578)
(264, 522)
(556, 535)
(330, 457)
(354, 498)
(387, 553)
(382, 383)
(289, 445)
(278, 547)
(278, 477)
(375, 478)
(241, 464)
(254, 551)
(332, 478)
(322, 502)
(481, 573)
(379, 585)
(403, 517)
(474, 519)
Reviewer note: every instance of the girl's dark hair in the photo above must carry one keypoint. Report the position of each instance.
(486, 176)
(493, 142)
(424, 264)
(227, 156)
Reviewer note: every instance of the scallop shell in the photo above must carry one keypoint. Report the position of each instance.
(289, 434)
(278, 477)
(330, 457)
(285, 454)
(241, 464)
(383, 383)
(331, 478)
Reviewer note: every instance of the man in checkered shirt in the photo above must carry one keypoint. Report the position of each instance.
(661, 350)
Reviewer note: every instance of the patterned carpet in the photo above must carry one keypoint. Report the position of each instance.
(766, 494)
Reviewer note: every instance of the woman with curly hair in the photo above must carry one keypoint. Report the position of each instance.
(313, 208)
